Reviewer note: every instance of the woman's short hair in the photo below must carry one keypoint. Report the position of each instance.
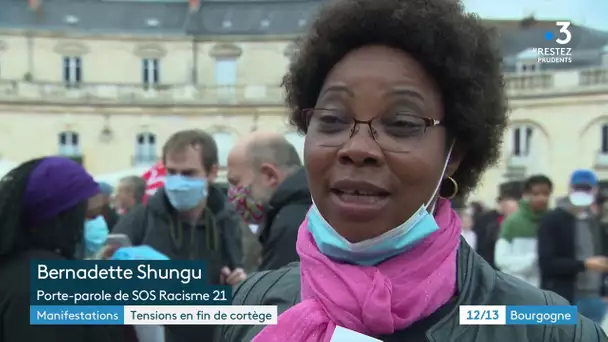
(455, 48)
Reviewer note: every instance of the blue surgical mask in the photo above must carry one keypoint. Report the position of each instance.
(185, 193)
(380, 248)
(95, 235)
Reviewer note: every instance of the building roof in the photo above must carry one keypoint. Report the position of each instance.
(254, 18)
(96, 16)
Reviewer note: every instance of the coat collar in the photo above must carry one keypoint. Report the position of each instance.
(476, 280)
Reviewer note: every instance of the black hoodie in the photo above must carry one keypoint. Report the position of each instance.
(284, 214)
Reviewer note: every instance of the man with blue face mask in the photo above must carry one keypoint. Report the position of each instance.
(572, 250)
(190, 219)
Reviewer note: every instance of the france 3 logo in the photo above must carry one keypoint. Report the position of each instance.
(565, 35)
(557, 47)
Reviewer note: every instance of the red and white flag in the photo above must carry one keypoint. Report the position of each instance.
(155, 178)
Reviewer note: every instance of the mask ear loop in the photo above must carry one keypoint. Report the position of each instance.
(434, 194)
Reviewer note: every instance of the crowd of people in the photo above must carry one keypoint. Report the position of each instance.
(562, 249)
(252, 226)
(403, 107)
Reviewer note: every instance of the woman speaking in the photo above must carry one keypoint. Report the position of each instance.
(403, 107)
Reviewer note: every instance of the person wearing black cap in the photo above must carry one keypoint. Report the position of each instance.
(50, 209)
(571, 248)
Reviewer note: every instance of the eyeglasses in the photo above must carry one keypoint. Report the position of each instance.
(397, 132)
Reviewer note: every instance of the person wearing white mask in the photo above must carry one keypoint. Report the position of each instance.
(571, 249)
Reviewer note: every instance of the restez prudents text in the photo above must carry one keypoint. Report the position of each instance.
(143, 272)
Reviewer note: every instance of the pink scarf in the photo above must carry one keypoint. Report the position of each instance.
(375, 300)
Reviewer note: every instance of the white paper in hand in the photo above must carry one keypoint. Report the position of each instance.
(346, 335)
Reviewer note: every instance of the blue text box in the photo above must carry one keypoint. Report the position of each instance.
(76, 315)
(542, 315)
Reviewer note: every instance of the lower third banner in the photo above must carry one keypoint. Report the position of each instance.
(153, 315)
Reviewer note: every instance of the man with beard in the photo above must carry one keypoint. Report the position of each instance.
(269, 189)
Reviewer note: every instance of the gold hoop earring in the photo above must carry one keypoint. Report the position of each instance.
(454, 186)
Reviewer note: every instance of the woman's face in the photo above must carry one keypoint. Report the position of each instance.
(376, 82)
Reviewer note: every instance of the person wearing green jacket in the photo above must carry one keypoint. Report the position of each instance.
(516, 249)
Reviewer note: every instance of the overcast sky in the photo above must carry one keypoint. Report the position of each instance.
(585, 12)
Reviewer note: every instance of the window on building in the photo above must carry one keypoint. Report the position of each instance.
(150, 72)
(72, 71)
(69, 144)
(604, 147)
(522, 137)
(145, 149)
(526, 60)
(297, 140)
(225, 142)
(225, 76)
(191, 73)
(527, 67)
